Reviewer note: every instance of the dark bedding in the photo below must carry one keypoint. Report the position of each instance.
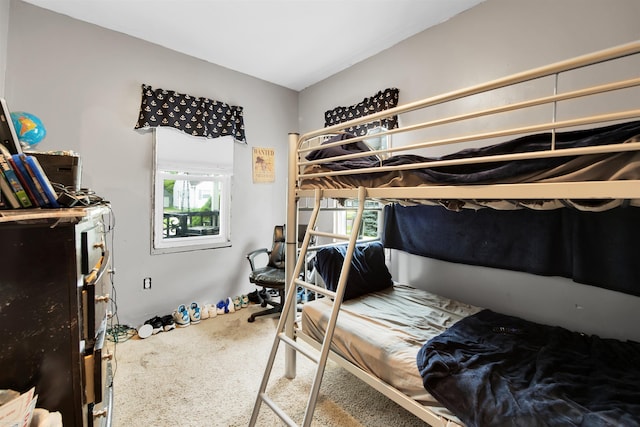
(593, 248)
(485, 172)
(495, 370)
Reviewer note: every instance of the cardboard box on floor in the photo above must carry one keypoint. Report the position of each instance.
(17, 410)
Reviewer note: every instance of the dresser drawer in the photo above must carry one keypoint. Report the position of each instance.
(101, 414)
(95, 299)
(95, 369)
(92, 247)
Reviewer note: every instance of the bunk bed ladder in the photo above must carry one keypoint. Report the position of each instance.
(288, 310)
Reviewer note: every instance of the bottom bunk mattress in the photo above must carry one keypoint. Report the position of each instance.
(381, 332)
(493, 370)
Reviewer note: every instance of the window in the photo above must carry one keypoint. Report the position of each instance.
(372, 215)
(191, 191)
(377, 141)
(371, 219)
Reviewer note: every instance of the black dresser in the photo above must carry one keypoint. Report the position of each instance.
(55, 280)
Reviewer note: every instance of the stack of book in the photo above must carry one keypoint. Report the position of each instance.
(23, 183)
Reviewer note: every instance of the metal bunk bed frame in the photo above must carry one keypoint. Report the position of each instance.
(287, 330)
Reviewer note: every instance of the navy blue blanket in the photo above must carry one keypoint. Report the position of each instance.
(495, 370)
(483, 172)
(593, 248)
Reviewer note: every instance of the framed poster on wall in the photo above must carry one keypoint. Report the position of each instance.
(263, 164)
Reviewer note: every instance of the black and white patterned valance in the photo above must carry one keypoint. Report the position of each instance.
(381, 101)
(195, 116)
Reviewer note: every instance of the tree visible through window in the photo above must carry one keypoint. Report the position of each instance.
(192, 192)
(372, 216)
(343, 219)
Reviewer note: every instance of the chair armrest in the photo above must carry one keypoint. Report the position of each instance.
(251, 255)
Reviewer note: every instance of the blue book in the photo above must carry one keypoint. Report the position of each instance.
(14, 182)
(41, 177)
(8, 196)
(27, 181)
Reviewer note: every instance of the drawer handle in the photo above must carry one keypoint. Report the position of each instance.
(91, 277)
(103, 298)
(100, 413)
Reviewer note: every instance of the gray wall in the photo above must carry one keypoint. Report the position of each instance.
(492, 40)
(84, 83)
(4, 30)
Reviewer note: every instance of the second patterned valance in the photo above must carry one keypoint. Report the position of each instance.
(381, 101)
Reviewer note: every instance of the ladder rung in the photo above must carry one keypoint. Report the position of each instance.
(315, 288)
(330, 235)
(277, 410)
(331, 245)
(311, 356)
(293, 346)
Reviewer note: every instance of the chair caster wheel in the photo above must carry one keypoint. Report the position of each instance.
(251, 319)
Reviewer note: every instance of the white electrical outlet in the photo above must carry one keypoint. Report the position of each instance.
(146, 283)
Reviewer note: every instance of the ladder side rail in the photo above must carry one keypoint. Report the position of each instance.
(286, 318)
(291, 295)
(291, 246)
(335, 310)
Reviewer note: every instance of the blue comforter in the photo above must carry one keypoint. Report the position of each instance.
(495, 370)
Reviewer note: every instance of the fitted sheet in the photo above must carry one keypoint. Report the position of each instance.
(382, 332)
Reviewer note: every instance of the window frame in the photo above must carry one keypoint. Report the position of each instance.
(190, 172)
(343, 218)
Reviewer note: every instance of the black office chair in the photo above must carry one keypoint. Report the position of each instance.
(271, 276)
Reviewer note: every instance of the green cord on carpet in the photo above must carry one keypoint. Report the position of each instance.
(120, 333)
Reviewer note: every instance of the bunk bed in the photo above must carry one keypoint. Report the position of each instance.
(557, 158)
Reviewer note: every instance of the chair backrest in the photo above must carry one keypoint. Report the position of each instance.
(276, 258)
(302, 231)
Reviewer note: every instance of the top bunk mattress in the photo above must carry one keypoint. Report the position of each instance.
(382, 332)
(329, 169)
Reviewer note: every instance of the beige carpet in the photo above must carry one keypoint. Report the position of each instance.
(208, 375)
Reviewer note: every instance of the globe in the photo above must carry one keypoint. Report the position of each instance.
(29, 129)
